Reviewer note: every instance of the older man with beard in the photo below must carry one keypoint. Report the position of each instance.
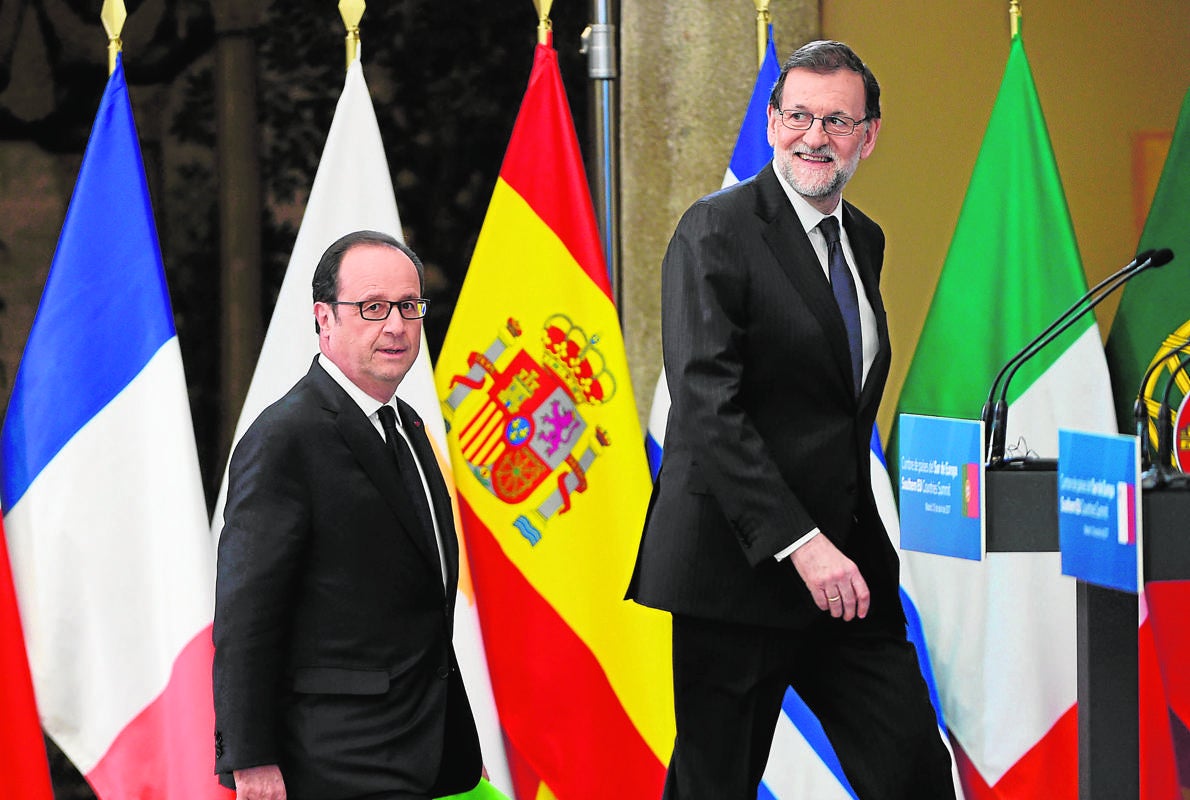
(763, 539)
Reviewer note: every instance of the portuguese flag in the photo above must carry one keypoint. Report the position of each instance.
(1153, 319)
(1154, 313)
(552, 479)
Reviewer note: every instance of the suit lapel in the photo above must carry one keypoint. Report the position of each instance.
(376, 460)
(443, 509)
(870, 277)
(793, 252)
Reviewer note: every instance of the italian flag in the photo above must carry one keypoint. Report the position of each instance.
(1001, 632)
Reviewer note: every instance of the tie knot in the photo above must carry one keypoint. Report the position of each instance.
(388, 420)
(830, 229)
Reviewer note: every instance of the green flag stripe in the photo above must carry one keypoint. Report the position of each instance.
(1156, 303)
(1012, 267)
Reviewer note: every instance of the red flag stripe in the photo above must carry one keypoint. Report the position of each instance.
(1052, 763)
(1158, 764)
(168, 749)
(24, 770)
(1168, 601)
(556, 704)
(544, 135)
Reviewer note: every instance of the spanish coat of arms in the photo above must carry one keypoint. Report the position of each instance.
(530, 432)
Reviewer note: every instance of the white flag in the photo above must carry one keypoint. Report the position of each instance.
(353, 191)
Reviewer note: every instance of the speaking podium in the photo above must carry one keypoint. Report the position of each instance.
(1021, 502)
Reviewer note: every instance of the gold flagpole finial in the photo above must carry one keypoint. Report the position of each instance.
(352, 11)
(1014, 17)
(113, 15)
(763, 18)
(544, 26)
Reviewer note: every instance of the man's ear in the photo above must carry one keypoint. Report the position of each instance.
(323, 315)
(871, 131)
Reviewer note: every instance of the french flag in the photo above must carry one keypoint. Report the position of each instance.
(107, 531)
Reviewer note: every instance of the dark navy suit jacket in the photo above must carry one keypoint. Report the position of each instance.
(333, 653)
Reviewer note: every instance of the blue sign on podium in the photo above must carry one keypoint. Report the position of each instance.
(1099, 508)
(940, 464)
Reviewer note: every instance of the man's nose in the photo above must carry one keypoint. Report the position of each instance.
(816, 136)
(395, 322)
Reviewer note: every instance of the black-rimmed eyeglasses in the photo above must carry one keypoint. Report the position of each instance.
(377, 310)
(834, 124)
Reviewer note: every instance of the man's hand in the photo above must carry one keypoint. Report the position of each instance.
(832, 578)
(260, 783)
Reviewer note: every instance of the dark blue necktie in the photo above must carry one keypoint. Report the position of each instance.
(843, 286)
(406, 465)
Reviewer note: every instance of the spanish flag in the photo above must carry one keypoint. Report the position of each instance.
(552, 478)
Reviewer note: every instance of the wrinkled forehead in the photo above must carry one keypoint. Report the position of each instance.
(377, 267)
(839, 91)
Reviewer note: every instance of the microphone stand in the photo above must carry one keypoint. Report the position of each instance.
(999, 409)
(1024, 353)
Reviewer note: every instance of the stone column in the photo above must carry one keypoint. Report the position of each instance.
(238, 146)
(687, 71)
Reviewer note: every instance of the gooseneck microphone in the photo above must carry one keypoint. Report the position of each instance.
(996, 407)
(1139, 412)
(1024, 353)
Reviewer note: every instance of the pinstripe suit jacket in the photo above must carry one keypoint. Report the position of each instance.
(766, 439)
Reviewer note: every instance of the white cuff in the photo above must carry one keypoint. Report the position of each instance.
(788, 551)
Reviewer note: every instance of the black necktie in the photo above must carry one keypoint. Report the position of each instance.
(843, 286)
(407, 466)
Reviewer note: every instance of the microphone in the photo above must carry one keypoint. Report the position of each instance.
(1139, 412)
(996, 406)
(986, 414)
(1161, 469)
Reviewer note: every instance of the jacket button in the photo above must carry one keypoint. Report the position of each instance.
(444, 672)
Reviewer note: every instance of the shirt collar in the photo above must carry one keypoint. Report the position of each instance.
(368, 404)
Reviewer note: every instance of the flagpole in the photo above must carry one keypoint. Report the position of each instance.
(763, 19)
(544, 26)
(1014, 18)
(113, 15)
(599, 45)
(352, 11)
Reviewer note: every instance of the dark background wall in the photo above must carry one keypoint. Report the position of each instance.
(446, 80)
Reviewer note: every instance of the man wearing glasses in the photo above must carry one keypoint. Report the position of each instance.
(334, 672)
(763, 539)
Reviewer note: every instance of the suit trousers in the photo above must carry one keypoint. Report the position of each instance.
(864, 685)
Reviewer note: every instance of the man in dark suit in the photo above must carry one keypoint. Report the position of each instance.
(762, 538)
(334, 674)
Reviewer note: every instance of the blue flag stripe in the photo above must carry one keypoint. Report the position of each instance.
(752, 149)
(917, 636)
(106, 276)
(913, 627)
(653, 453)
(811, 730)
